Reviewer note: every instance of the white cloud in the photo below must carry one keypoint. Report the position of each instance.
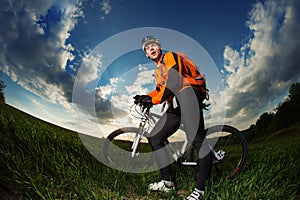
(106, 7)
(107, 90)
(143, 78)
(265, 66)
(233, 58)
(104, 91)
(38, 51)
(89, 70)
(117, 95)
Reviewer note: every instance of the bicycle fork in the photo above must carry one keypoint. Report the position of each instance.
(137, 139)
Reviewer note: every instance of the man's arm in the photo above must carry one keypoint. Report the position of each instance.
(172, 84)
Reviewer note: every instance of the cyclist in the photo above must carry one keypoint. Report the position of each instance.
(185, 106)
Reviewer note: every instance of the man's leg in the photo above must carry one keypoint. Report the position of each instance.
(205, 157)
(192, 119)
(165, 127)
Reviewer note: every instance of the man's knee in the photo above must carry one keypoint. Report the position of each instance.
(156, 143)
(197, 141)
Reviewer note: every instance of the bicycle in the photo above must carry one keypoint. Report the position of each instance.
(129, 146)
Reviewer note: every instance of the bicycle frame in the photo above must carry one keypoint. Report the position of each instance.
(178, 154)
(147, 116)
(227, 145)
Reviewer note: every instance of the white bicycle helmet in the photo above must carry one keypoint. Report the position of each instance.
(148, 40)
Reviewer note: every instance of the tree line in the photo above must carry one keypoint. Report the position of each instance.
(286, 114)
(2, 87)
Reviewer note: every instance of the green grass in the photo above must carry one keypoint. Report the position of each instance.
(41, 161)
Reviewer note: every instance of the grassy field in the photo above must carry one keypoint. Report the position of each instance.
(41, 161)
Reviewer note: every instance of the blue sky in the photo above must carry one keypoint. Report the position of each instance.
(48, 48)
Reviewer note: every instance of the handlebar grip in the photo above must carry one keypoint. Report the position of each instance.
(143, 99)
(144, 104)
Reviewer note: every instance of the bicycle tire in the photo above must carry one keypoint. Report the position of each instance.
(117, 151)
(232, 142)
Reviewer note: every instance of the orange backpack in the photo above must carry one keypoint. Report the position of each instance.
(192, 76)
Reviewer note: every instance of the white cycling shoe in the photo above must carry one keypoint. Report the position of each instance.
(164, 186)
(196, 195)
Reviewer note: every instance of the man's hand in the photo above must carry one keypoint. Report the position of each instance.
(143, 99)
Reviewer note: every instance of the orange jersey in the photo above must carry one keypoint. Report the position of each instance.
(169, 78)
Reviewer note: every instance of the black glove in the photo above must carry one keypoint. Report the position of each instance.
(143, 99)
(137, 99)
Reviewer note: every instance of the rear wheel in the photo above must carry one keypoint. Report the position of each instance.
(230, 150)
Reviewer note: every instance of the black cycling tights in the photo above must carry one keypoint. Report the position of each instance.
(191, 116)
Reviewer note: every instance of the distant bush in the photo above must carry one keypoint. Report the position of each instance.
(285, 114)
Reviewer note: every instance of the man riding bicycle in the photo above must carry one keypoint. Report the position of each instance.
(185, 100)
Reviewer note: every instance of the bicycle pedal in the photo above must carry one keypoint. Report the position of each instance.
(189, 163)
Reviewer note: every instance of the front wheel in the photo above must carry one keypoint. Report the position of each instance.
(118, 154)
(229, 150)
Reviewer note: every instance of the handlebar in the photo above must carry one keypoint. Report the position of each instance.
(145, 108)
(144, 102)
(141, 110)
